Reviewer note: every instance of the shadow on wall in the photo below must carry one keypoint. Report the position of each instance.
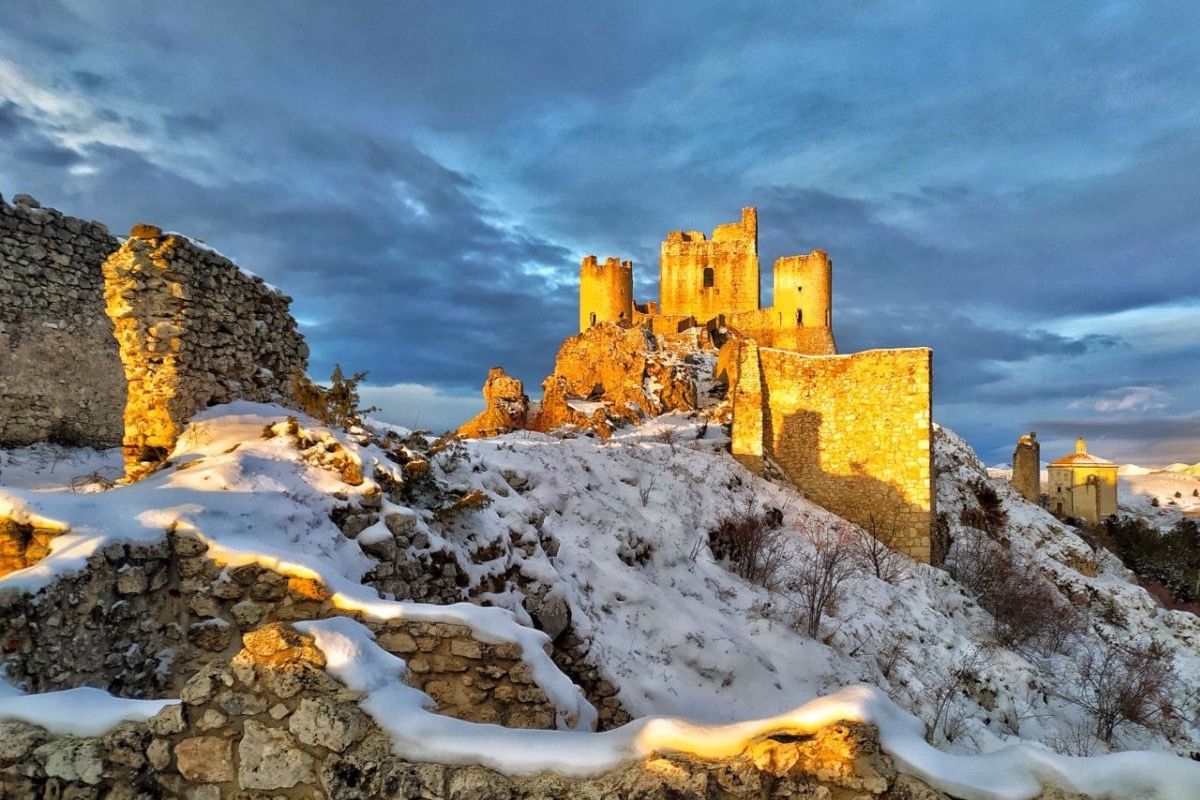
(841, 476)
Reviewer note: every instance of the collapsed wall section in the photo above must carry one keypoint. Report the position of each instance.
(193, 330)
(60, 375)
(852, 432)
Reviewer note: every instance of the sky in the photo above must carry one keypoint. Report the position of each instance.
(1013, 184)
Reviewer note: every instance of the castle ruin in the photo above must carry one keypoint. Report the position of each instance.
(1027, 468)
(714, 283)
(105, 343)
(853, 432)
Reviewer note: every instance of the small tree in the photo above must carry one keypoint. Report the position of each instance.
(874, 548)
(753, 544)
(337, 405)
(820, 569)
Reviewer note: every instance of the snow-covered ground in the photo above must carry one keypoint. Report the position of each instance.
(618, 530)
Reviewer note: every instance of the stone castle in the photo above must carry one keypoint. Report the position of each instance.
(714, 283)
(852, 432)
(104, 342)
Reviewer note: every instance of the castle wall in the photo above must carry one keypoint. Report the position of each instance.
(852, 432)
(605, 292)
(60, 376)
(732, 257)
(761, 326)
(193, 330)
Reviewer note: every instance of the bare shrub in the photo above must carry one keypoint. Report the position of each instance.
(668, 436)
(874, 549)
(820, 569)
(989, 515)
(890, 653)
(1078, 740)
(948, 718)
(753, 544)
(1121, 684)
(644, 491)
(1028, 611)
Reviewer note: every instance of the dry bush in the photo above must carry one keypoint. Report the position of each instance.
(820, 569)
(989, 515)
(1028, 611)
(752, 543)
(874, 549)
(1121, 684)
(948, 719)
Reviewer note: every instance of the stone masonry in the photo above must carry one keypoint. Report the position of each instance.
(60, 376)
(191, 329)
(852, 432)
(270, 721)
(1027, 468)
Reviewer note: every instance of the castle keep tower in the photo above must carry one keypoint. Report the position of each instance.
(605, 292)
(704, 278)
(1027, 469)
(804, 291)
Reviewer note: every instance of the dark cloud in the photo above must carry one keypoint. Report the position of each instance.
(424, 178)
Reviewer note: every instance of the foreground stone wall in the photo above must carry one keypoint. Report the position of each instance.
(193, 330)
(853, 432)
(271, 719)
(60, 376)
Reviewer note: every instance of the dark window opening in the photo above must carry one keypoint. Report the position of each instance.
(708, 277)
(799, 317)
(593, 318)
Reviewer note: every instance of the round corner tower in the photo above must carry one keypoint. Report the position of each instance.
(605, 292)
(804, 291)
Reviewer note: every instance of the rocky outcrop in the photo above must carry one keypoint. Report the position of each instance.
(507, 407)
(610, 376)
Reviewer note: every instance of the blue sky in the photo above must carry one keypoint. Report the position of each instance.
(1013, 184)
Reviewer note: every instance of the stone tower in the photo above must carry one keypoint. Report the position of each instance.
(1027, 469)
(804, 291)
(605, 292)
(704, 278)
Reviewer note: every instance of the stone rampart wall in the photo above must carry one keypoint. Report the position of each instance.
(853, 432)
(60, 376)
(191, 329)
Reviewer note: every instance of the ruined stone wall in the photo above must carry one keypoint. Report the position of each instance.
(730, 259)
(60, 377)
(771, 328)
(852, 432)
(605, 292)
(193, 330)
(142, 620)
(1027, 468)
(102, 343)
